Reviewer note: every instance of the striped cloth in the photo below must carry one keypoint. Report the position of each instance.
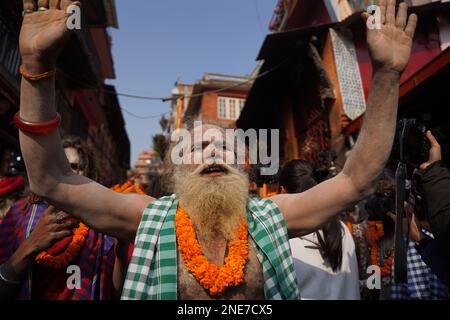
(422, 283)
(152, 273)
(96, 260)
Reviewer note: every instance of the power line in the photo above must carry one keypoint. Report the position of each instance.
(127, 95)
(144, 117)
(166, 99)
(193, 95)
(115, 93)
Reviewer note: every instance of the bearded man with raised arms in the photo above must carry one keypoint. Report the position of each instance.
(209, 240)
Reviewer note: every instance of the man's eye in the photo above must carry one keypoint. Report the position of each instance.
(229, 147)
(220, 145)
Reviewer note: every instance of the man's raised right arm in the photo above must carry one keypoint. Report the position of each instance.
(43, 35)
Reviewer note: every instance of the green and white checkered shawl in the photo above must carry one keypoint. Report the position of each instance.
(152, 273)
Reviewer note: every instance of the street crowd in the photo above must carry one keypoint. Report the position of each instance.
(198, 234)
(332, 263)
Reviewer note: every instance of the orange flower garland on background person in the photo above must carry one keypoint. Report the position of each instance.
(64, 259)
(350, 227)
(79, 235)
(213, 278)
(376, 232)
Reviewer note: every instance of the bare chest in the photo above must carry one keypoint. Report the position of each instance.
(252, 288)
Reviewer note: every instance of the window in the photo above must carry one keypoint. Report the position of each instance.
(241, 105)
(230, 108)
(222, 108)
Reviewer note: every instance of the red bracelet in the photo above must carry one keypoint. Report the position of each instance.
(40, 128)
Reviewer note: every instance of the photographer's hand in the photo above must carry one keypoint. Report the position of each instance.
(435, 151)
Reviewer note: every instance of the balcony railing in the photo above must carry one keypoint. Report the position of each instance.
(9, 51)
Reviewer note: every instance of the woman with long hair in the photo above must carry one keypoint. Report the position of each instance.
(325, 261)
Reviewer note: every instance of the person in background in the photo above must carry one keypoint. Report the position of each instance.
(12, 185)
(355, 218)
(379, 235)
(38, 244)
(431, 184)
(380, 239)
(211, 202)
(325, 261)
(422, 283)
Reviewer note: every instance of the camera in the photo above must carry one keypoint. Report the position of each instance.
(411, 142)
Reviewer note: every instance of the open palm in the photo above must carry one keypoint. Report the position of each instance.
(44, 33)
(390, 46)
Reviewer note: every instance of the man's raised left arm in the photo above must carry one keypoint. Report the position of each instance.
(390, 49)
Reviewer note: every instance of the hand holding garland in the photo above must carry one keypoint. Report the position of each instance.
(50, 228)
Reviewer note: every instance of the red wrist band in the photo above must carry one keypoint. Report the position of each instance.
(40, 128)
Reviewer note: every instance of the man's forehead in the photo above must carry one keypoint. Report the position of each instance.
(208, 128)
(208, 133)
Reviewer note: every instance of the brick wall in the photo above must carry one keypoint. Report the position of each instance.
(209, 109)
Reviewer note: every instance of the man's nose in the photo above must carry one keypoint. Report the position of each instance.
(213, 154)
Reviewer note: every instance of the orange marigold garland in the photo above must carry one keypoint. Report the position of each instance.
(376, 229)
(128, 187)
(79, 236)
(213, 278)
(387, 267)
(350, 227)
(65, 258)
(376, 232)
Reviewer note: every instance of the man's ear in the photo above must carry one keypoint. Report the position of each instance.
(282, 190)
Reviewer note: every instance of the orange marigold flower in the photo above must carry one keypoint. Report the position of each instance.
(64, 259)
(212, 277)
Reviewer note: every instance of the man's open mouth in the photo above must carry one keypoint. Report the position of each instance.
(214, 170)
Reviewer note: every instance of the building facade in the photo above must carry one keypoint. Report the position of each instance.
(319, 75)
(217, 99)
(147, 167)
